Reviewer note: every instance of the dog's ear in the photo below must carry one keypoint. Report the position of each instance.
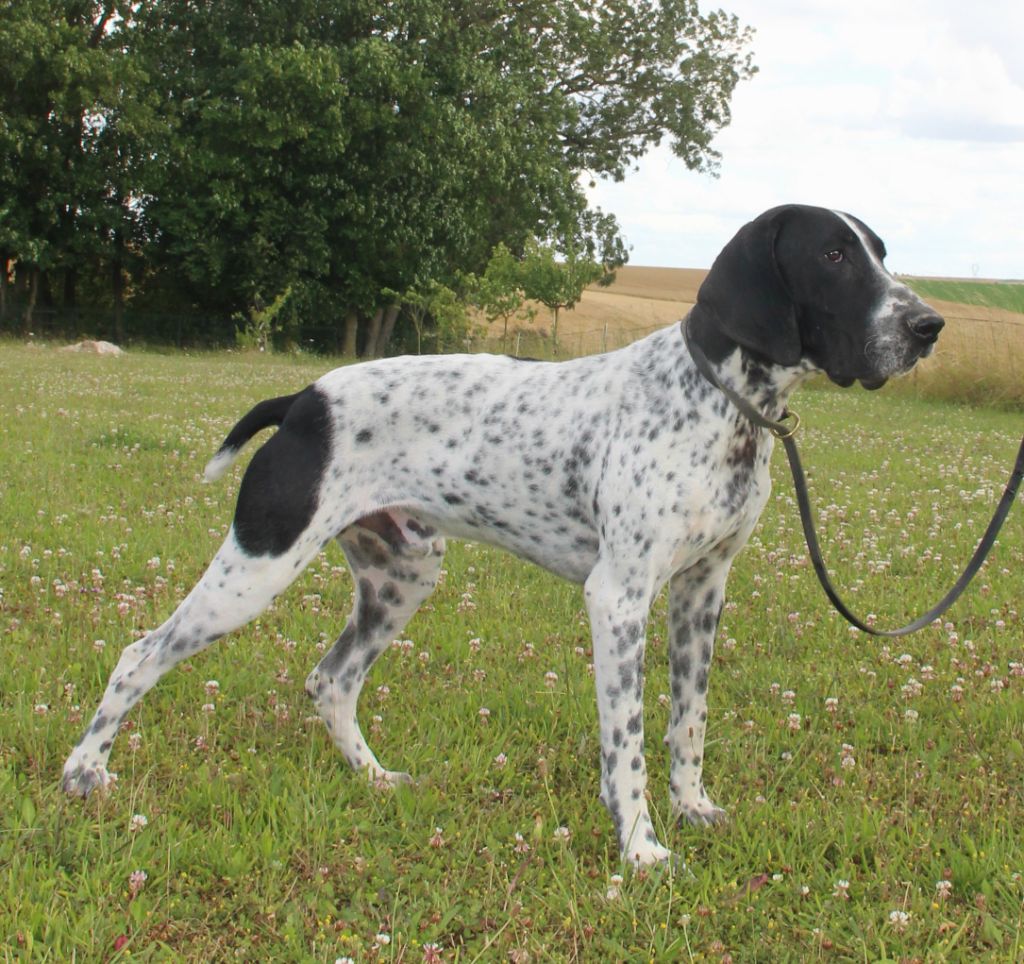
(746, 295)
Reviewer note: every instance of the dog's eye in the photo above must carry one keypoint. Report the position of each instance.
(835, 255)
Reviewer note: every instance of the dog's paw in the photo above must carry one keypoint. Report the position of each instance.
(703, 813)
(647, 854)
(80, 780)
(313, 687)
(389, 779)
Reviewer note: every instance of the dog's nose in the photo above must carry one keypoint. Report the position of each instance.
(927, 327)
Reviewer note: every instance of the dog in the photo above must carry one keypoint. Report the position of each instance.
(624, 472)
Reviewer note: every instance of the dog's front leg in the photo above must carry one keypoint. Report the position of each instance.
(618, 620)
(695, 605)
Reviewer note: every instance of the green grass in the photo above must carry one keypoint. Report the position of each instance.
(1008, 295)
(261, 845)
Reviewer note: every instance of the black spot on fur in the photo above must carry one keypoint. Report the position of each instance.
(340, 651)
(279, 492)
(370, 614)
(424, 532)
(384, 526)
(389, 594)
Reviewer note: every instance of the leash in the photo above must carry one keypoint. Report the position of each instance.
(785, 430)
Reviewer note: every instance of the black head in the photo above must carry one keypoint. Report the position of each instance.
(806, 285)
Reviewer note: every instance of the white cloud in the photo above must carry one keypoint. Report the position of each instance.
(912, 119)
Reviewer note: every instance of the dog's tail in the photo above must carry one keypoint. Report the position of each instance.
(267, 413)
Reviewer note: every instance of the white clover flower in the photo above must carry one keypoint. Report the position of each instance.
(899, 919)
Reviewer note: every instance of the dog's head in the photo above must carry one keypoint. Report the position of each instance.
(801, 285)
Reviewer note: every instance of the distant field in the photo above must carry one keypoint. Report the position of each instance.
(1008, 295)
(980, 356)
(640, 300)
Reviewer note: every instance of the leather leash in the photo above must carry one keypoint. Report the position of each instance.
(785, 433)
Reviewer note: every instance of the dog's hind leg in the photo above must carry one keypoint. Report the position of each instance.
(236, 588)
(395, 563)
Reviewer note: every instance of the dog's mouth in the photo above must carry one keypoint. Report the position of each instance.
(886, 368)
(871, 383)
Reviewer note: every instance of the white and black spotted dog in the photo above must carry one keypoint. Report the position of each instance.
(623, 472)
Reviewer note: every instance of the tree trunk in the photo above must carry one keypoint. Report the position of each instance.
(33, 294)
(387, 330)
(70, 297)
(4, 286)
(373, 335)
(117, 284)
(348, 341)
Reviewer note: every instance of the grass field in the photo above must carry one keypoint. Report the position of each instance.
(876, 790)
(1006, 295)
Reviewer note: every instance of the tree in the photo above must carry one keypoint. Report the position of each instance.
(556, 283)
(66, 92)
(205, 156)
(262, 324)
(436, 303)
(240, 190)
(498, 292)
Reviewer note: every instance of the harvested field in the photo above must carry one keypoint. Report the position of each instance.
(980, 356)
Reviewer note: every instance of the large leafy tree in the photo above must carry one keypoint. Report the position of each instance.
(345, 150)
(66, 98)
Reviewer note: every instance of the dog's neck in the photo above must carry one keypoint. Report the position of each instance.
(761, 381)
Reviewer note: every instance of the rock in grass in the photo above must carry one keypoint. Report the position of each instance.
(95, 348)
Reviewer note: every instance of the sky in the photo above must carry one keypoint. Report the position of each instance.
(907, 113)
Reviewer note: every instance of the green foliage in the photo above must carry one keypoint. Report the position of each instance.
(74, 109)
(438, 306)
(498, 292)
(262, 324)
(208, 156)
(556, 282)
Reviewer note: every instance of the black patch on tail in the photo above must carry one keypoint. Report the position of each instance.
(270, 412)
(280, 490)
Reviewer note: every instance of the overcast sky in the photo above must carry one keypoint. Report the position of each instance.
(906, 113)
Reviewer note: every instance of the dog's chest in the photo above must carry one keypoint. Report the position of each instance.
(710, 493)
